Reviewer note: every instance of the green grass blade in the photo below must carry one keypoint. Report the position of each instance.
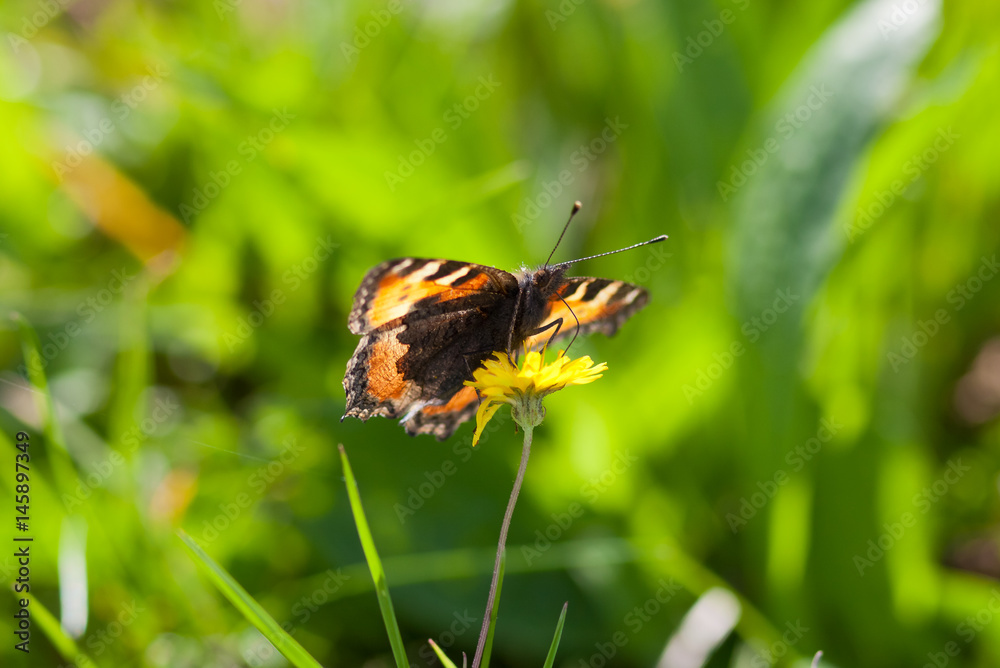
(63, 644)
(374, 564)
(445, 661)
(132, 368)
(488, 647)
(251, 609)
(550, 659)
(35, 365)
(63, 469)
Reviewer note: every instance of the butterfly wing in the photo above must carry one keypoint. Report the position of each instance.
(600, 304)
(395, 288)
(442, 420)
(425, 326)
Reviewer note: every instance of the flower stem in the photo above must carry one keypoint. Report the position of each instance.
(502, 544)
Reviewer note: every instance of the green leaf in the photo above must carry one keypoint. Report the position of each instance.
(493, 613)
(795, 179)
(550, 659)
(374, 564)
(445, 661)
(251, 609)
(815, 132)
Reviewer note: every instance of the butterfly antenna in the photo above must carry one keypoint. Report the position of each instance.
(655, 240)
(576, 208)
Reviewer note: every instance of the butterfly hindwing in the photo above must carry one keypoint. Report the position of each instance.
(600, 304)
(441, 421)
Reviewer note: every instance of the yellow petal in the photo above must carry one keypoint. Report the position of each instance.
(486, 410)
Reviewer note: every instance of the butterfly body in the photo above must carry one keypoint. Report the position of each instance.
(427, 324)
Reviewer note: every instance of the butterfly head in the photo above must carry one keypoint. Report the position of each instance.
(547, 279)
(537, 288)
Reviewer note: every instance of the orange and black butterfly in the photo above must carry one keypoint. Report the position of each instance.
(426, 325)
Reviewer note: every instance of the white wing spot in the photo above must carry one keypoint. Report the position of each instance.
(579, 292)
(455, 275)
(605, 295)
(428, 269)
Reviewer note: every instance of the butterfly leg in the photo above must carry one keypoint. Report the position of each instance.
(577, 330)
(557, 323)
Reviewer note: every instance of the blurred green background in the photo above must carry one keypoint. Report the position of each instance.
(805, 415)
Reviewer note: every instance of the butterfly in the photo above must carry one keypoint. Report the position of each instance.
(427, 324)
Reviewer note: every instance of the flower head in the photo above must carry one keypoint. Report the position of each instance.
(523, 386)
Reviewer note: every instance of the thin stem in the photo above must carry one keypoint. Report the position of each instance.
(502, 545)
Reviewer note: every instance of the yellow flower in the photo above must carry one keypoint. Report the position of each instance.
(523, 387)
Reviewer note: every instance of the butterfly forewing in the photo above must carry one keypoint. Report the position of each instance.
(391, 289)
(600, 305)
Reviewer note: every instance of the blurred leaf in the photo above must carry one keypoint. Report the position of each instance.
(125, 213)
(248, 607)
(65, 645)
(36, 374)
(797, 169)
